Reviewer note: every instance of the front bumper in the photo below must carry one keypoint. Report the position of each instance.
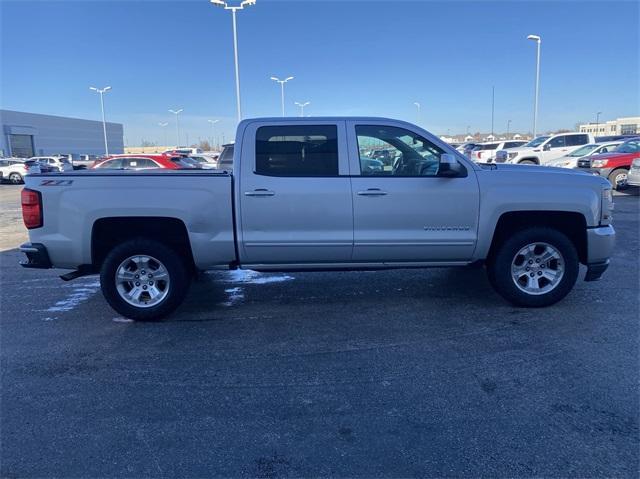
(600, 243)
(37, 256)
(604, 172)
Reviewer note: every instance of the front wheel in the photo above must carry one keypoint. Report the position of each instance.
(534, 267)
(143, 279)
(618, 178)
(527, 162)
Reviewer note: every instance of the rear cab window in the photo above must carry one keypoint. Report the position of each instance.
(297, 151)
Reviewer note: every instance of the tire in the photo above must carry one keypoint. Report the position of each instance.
(527, 162)
(144, 258)
(16, 179)
(616, 176)
(508, 273)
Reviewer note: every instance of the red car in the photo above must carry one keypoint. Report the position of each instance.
(141, 162)
(614, 165)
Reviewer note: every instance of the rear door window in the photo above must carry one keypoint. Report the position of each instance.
(297, 150)
(576, 140)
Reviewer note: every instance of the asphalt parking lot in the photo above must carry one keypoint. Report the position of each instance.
(395, 374)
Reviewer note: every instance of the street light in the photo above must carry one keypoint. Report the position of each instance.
(213, 130)
(102, 91)
(508, 127)
(176, 113)
(418, 112)
(221, 3)
(163, 125)
(597, 122)
(302, 105)
(536, 39)
(282, 82)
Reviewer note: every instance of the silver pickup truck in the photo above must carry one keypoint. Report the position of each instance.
(312, 194)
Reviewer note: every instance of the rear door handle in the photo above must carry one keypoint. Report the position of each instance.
(260, 192)
(372, 192)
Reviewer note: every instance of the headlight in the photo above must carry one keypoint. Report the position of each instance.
(606, 208)
(598, 163)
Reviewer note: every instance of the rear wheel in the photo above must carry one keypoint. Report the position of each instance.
(618, 178)
(534, 267)
(144, 279)
(15, 178)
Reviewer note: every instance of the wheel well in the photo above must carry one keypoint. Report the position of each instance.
(109, 232)
(571, 224)
(530, 158)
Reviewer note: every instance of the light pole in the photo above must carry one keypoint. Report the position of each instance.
(163, 125)
(221, 3)
(176, 113)
(302, 105)
(282, 82)
(536, 39)
(213, 130)
(102, 91)
(418, 111)
(508, 127)
(597, 122)
(493, 102)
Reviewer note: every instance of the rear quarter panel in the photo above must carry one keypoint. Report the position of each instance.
(73, 202)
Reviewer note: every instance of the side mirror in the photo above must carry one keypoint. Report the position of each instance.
(449, 166)
(546, 147)
(501, 156)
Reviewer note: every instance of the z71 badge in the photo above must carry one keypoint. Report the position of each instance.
(56, 182)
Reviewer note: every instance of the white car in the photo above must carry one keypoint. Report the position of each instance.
(13, 170)
(543, 149)
(571, 160)
(486, 152)
(57, 163)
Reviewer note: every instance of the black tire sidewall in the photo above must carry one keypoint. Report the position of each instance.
(499, 268)
(174, 263)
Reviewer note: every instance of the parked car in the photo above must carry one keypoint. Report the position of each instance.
(543, 149)
(633, 177)
(56, 163)
(202, 161)
(225, 160)
(142, 162)
(182, 151)
(571, 160)
(13, 170)
(298, 200)
(486, 152)
(622, 138)
(613, 166)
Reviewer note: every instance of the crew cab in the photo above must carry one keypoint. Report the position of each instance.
(615, 165)
(299, 199)
(544, 149)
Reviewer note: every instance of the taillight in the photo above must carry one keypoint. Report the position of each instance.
(31, 208)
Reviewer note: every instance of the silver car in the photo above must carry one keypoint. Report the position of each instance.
(633, 177)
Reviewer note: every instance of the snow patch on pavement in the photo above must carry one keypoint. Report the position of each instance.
(234, 296)
(253, 277)
(79, 294)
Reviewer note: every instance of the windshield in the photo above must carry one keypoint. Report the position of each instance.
(583, 151)
(629, 147)
(537, 141)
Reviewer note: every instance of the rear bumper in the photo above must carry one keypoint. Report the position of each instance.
(600, 243)
(37, 256)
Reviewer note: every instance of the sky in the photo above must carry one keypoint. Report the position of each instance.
(373, 58)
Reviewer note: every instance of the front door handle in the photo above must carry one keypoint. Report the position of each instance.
(260, 192)
(372, 192)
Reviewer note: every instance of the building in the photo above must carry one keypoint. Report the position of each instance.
(621, 126)
(30, 134)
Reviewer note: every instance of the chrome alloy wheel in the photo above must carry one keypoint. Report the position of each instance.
(537, 268)
(142, 281)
